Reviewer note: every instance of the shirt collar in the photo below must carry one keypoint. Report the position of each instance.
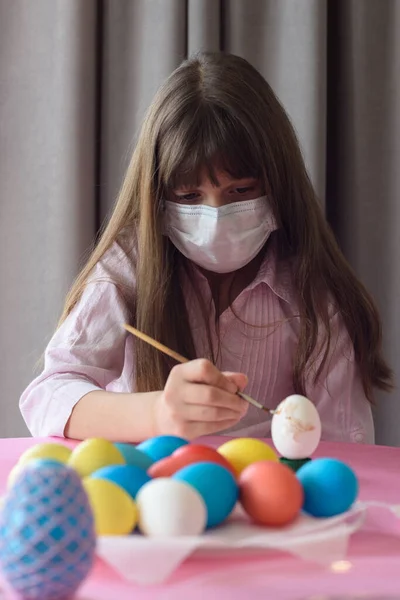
(274, 272)
(277, 274)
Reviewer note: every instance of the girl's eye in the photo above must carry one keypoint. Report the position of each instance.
(243, 190)
(187, 197)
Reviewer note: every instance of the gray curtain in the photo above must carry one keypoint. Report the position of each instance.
(75, 79)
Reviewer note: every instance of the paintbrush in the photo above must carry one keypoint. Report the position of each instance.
(182, 359)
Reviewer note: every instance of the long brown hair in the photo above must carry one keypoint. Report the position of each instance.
(217, 109)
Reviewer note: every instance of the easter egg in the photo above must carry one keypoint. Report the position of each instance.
(242, 452)
(330, 487)
(93, 454)
(187, 455)
(170, 508)
(18, 468)
(200, 453)
(296, 427)
(47, 537)
(128, 477)
(167, 466)
(115, 512)
(14, 473)
(216, 485)
(133, 456)
(53, 451)
(161, 446)
(270, 493)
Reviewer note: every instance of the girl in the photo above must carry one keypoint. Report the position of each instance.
(217, 248)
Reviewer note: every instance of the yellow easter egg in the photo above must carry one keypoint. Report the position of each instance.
(13, 474)
(115, 512)
(242, 452)
(94, 454)
(47, 451)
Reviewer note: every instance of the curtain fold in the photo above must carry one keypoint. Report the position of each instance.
(75, 80)
(363, 152)
(142, 43)
(286, 41)
(47, 176)
(204, 25)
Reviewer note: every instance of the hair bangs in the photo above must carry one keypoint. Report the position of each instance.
(209, 142)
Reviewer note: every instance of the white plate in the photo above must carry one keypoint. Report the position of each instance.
(152, 560)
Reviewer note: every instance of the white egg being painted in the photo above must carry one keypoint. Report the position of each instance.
(296, 427)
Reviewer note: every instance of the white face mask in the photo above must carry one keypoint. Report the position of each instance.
(221, 239)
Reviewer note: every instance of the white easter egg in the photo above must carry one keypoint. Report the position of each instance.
(169, 508)
(296, 427)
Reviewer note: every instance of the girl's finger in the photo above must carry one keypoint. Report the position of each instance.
(213, 397)
(208, 414)
(239, 379)
(203, 371)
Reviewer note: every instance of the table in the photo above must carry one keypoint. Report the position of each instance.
(372, 569)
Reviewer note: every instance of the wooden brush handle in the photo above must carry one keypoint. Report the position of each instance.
(155, 344)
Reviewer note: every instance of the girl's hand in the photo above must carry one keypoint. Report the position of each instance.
(199, 400)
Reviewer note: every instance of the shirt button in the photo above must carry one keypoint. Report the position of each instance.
(359, 437)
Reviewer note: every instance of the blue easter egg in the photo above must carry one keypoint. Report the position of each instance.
(129, 477)
(330, 487)
(133, 456)
(216, 485)
(47, 537)
(161, 446)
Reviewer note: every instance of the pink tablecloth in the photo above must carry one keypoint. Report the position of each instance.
(372, 569)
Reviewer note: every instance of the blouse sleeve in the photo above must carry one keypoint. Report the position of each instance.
(86, 353)
(338, 393)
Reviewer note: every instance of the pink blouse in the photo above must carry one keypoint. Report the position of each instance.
(92, 351)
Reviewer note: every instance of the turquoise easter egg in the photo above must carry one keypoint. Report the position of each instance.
(330, 487)
(47, 537)
(161, 446)
(133, 456)
(216, 485)
(129, 477)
